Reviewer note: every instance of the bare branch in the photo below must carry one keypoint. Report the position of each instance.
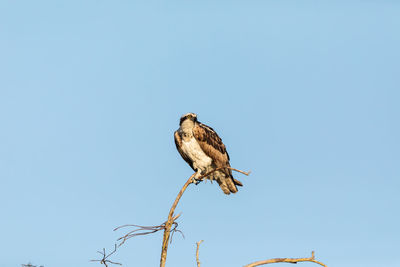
(105, 260)
(169, 226)
(170, 220)
(197, 252)
(221, 168)
(289, 260)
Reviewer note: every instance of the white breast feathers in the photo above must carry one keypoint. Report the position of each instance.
(193, 150)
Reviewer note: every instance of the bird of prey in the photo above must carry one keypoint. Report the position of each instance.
(202, 148)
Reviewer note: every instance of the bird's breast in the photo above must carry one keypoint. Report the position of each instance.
(193, 150)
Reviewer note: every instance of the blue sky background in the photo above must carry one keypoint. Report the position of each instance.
(305, 94)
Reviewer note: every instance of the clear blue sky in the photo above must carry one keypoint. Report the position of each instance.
(305, 94)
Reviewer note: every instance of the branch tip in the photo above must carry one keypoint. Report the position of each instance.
(197, 252)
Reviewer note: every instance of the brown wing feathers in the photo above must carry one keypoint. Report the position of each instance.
(211, 144)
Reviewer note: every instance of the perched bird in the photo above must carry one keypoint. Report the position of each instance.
(202, 148)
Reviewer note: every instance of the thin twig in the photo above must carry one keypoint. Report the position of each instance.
(221, 168)
(145, 230)
(289, 260)
(197, 252)
(104, 260)
(169, 221)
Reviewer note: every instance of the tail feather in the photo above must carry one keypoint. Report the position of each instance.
(224, 186)
(227, 184)
(237, 182)
(231, 185)
(226, 181)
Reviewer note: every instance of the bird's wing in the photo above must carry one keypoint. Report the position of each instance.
(212, 145)
(178, 143)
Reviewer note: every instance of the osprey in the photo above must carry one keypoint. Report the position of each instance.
(202, 148)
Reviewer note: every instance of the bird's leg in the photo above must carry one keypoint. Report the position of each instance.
(196, 179)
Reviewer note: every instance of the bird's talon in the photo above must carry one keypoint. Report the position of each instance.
(196, 181)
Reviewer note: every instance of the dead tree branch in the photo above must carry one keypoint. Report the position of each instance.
(289, 260)
(169, 221)
(105, 260)
(197, 252)
(221, 168)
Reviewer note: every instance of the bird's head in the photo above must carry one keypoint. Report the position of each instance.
(188, 116)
